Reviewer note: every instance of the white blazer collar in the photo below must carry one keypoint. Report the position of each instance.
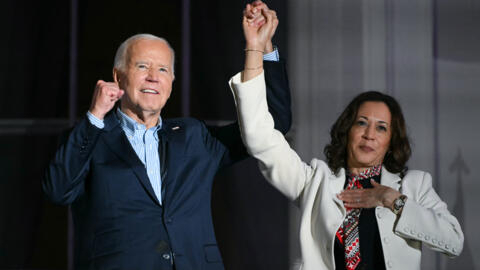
(389, 179)
(337, 181)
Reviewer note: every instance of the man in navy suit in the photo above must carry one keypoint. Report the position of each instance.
(139, 185)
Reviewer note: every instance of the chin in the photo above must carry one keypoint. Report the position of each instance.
(367, 163)
(151, 107)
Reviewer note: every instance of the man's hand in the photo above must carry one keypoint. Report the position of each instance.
(254, 15)
(379, 195)
(104, 98)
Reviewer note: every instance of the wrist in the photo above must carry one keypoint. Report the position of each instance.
(398, 204)
(269, 47)
(97, 114)
(389, 197)
(255, 47)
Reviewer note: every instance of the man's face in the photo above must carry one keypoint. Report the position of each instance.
(147, 77)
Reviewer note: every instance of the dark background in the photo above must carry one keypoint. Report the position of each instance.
(53, 52)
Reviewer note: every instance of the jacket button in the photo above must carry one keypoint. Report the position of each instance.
(386, 240)
(420, 235)
(427, 237)
(166, 256)
(441, 243)
(447, 246)
(434, 241)
(379, 215)
(389, 264)
(169, 220)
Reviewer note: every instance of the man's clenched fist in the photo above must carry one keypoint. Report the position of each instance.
(104, 98)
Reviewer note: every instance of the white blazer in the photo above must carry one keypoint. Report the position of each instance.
(424, 219)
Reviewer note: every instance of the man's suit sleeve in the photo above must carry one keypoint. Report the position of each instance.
(65, 176)
(279, 104)
(278, 94)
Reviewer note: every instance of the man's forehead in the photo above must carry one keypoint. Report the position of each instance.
(148, 46)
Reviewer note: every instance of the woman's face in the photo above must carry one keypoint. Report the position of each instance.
(369, 137)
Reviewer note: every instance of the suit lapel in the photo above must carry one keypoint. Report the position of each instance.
(163, 151)
(171, 148)
(389, 179)
(119, 144)
(337, 183)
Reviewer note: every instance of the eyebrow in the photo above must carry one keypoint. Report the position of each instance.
(380, 121)
(148, 63)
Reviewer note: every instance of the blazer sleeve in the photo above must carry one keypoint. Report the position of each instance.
(65, 176)
(278, 162)
(425, 216)
(279, 104)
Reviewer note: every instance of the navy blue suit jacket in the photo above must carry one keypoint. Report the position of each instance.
(119, 223)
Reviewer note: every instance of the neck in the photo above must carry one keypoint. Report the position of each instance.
(148, 119)
(358, 170)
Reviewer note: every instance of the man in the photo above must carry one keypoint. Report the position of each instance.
(139, 185)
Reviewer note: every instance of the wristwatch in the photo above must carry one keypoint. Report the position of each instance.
(398, 204)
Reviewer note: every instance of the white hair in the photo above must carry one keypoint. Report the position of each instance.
(121, 54)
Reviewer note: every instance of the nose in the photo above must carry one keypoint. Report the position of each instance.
(152, 75)
(369, 133)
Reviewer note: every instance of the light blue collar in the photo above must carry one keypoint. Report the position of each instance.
(129, 125)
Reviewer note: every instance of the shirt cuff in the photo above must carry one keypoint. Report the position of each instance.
(95, 121)
(272, 56)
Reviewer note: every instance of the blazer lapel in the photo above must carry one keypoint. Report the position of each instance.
(337, 183)
(163, 151)
(389, 179)
(171, 158)
(119, 144)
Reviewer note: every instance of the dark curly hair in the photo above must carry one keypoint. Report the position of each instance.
(399, 151)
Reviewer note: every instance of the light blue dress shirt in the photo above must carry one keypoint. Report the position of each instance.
(145, 144)
(145, 141)
(273, 56)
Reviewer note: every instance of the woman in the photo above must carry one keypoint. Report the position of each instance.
(362, 209)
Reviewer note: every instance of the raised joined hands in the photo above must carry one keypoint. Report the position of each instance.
(259, 26)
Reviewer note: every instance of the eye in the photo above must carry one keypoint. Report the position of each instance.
(142, 66)
(163, 69)
(382, 128)
(361, 123)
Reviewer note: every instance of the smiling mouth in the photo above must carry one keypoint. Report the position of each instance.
(149, 91)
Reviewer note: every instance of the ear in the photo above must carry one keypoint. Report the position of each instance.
(116, 75)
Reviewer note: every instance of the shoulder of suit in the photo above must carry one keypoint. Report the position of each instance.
(415, 179)
(414, 174)
(320, 165)
(182, 122)
(315, 162)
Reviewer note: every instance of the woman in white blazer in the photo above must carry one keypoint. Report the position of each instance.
(347, 223)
